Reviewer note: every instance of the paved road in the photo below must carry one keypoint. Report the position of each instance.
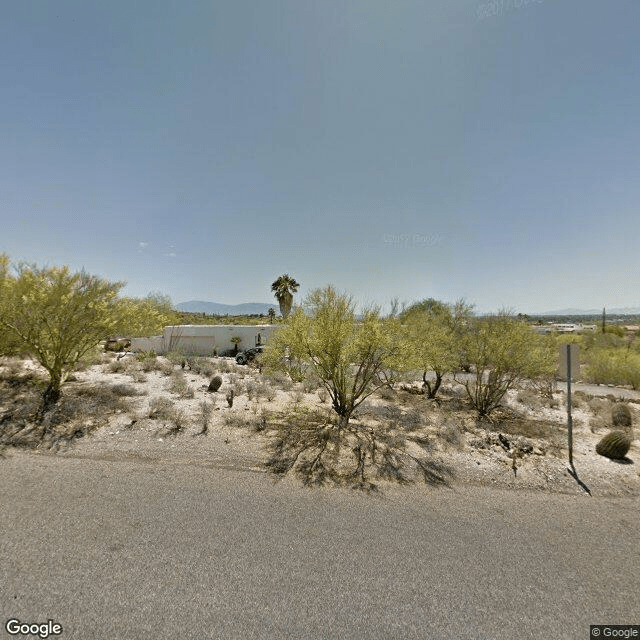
(591, 389)
(132, 550)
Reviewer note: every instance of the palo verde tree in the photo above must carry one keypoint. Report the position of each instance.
(349, 356)
(57, 316)
(502, 351)
(284, 288)
(144, 316)
(431, 332)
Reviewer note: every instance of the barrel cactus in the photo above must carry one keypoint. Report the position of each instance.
(621, 415)
(215, 383)
(615, 445)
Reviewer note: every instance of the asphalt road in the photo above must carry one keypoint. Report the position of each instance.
(134, 550)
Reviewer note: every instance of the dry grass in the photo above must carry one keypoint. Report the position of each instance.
(178, 384)
(81, 409)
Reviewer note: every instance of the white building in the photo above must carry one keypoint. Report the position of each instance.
(205, 340)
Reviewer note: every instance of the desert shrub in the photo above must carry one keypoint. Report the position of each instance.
(178, 385)
(202, 366)
(263, 390)
(151, 364)
(387, 393)
(598, 406)
(412, 420)
(388, 412)
(223, 365)
(238, 388)
(579, 400)
(615, 366)
(178, 423)
(142, 356)
(165, 368)
(205, 410)
(280, 380)
(137, 375)
(514, 425)
(311, 383)
(176, 358)
(125, 390)
(597, 423)
(529, 398)
(250, 387)
(452, 432)
(115, 366)
(237, 420)
(161, 408)
(621, 415)
(553, 403)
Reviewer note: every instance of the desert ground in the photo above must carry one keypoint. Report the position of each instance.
(138, 407)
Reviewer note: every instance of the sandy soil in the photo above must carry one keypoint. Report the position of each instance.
(473, 450)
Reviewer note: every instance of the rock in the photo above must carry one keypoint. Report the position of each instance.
(523, 445)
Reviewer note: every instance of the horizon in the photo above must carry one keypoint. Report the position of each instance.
(476, 150)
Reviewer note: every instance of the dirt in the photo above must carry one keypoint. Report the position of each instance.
(523, 447)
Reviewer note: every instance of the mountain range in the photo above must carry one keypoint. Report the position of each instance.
(620, 311)
(251, 308)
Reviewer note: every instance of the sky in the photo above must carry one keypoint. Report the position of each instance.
(411, 149)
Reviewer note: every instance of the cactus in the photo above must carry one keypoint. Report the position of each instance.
(620, 415)
(614, 445)
(215, 383)
(230, 398)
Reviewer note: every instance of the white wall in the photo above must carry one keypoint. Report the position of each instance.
(203, 339)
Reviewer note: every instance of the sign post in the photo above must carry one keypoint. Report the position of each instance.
(569, 366)
(569, 420)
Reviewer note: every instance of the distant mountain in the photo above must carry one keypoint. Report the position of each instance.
(621, 311)
(219, 309)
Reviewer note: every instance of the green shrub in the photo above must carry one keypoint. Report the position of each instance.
(614, 366)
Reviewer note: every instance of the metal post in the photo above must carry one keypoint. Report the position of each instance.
(571, 469)
(569, 421)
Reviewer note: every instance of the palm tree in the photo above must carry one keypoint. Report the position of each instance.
(284, 288)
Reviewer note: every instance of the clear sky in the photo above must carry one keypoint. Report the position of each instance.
(434, 148)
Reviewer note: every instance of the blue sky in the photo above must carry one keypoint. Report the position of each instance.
(443, 148)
